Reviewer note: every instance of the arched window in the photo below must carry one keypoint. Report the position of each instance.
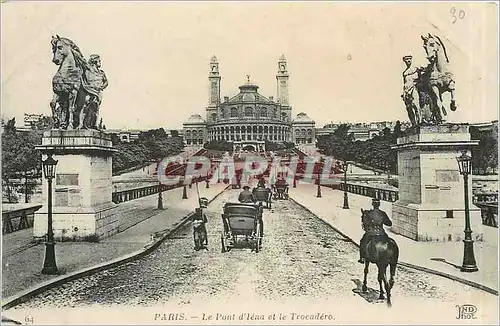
(214, 117)
(275, 113)
(263, 112)
(188, 134)
(248, 111)
(283, 116)
(309, 132)
(234, 112)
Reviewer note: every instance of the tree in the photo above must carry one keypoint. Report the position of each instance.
(19, 155)
(397, 132)
(220, 145)
(484, 156)
(174, 133)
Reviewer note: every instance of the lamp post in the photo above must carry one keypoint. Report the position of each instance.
(49, 264)
(160, 194)
(319, 187)
(345, 165)
(469, 262)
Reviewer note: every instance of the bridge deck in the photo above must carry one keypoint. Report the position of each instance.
(348, 221)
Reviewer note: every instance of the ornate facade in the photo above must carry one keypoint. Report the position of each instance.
(249, 118)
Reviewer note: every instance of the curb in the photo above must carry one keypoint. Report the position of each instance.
(25, 295)
(408, 265)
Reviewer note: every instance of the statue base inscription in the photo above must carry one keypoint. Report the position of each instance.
(82, 209)
(431, 203)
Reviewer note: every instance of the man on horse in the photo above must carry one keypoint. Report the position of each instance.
(373, 224)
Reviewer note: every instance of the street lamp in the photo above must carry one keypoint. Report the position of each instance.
(160, 194)
(345, 165)
(319, 187)
(469, 262)
(49, 264)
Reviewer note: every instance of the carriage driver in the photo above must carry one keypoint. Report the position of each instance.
(246, 196)
(262, 183)
(373, 227)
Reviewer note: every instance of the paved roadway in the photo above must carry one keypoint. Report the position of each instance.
(301, 258)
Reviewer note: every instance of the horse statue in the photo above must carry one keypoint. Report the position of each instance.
(76, 90)
(437, 76)
(382, 251)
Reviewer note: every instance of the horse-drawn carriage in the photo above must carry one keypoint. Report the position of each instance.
(241, 220)
(262, 195)
(280, 190)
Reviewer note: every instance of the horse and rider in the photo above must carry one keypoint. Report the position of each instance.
(373, 224)
(378, 248)
(199, 227)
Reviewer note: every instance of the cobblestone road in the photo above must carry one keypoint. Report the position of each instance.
(301, 257)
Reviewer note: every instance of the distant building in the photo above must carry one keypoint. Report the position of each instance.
(125, 136)
(31, 119)
(362, 131)
(248, 118)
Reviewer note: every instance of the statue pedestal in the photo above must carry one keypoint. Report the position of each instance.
(431, 203)
(82, 209)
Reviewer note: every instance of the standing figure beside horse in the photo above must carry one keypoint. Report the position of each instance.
(376, 247)
(77, 86)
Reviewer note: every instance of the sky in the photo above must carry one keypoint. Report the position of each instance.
(344, 59)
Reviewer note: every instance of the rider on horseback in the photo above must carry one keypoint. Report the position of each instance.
(373, 226)
(202, 217)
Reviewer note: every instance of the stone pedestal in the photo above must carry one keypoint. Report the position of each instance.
(431, 204)
(82, 209)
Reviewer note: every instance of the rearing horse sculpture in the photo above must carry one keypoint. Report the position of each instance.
(69, 96)
(382, 251)
(439, 78)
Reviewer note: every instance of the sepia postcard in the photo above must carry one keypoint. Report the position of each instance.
(249, 162)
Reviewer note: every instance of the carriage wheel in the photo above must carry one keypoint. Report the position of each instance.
(257, 238)
(223, 243)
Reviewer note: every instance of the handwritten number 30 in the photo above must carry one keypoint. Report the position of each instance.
(453, 12)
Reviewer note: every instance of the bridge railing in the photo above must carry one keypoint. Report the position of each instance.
(487, 202)
(136, 193)
(23, 212)
(370, 191)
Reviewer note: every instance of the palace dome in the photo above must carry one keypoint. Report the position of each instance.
(195, 119)
(302, 117)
